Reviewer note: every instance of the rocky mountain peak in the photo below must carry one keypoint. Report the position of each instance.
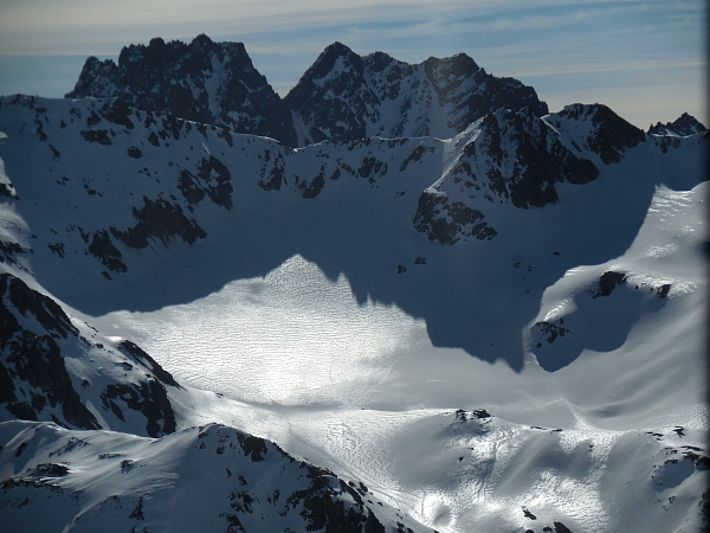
(338, 49)
(456, 65)
(204, 40)
(335, 61)
(157, 52)
(95, 79)
(344, 97)
(378, 61)
(341, 97)
(684, 125)
(203, 81)
(598, 129)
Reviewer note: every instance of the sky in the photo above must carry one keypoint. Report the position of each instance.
(645, 59)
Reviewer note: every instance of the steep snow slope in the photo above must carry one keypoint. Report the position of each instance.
(214, 244)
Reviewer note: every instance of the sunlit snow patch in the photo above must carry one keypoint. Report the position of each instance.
(289, 338)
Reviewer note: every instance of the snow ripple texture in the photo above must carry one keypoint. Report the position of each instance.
(289, 338)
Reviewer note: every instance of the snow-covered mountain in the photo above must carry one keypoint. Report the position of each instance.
(341, 97)
(495, 326)
(683, 126)
(55, 369)
(344, 96)
(208, 478)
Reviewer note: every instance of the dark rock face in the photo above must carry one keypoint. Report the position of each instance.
(32, 371)
(450, 74)
(344, 96)
(524, 159)
(48, 470)
(314, 187)
(338, 117)
(103, 249)
(416, 155)
(35, 383)
(134, 152)
(683, 126)
(97, 136)
(10, 250)
(159, 219)
(7, 190)
(203, 81)
(447, 222)
(676, 463)
(561, 528)
(323, 501)
(550, 331)
(611, 279)
(464, 416)
(148, 398)
(608, 282)
(512, 157)
(326, 508)
(118, 112)
(608, 135)
(272, 170)
(141, 357)
(212, 179)
(28, 302)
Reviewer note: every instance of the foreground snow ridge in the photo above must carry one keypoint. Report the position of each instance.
(403, 298)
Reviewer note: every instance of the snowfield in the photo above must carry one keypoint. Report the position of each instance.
(374, 411)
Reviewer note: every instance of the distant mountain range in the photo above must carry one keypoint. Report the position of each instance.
(341, 97)
(682, 126)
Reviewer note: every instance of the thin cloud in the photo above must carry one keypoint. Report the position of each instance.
(43, 24)
(567, 40)
(651, 65)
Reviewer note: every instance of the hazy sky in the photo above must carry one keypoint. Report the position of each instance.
(646, 59)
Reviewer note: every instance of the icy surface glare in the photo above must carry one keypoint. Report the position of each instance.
(289, 338)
